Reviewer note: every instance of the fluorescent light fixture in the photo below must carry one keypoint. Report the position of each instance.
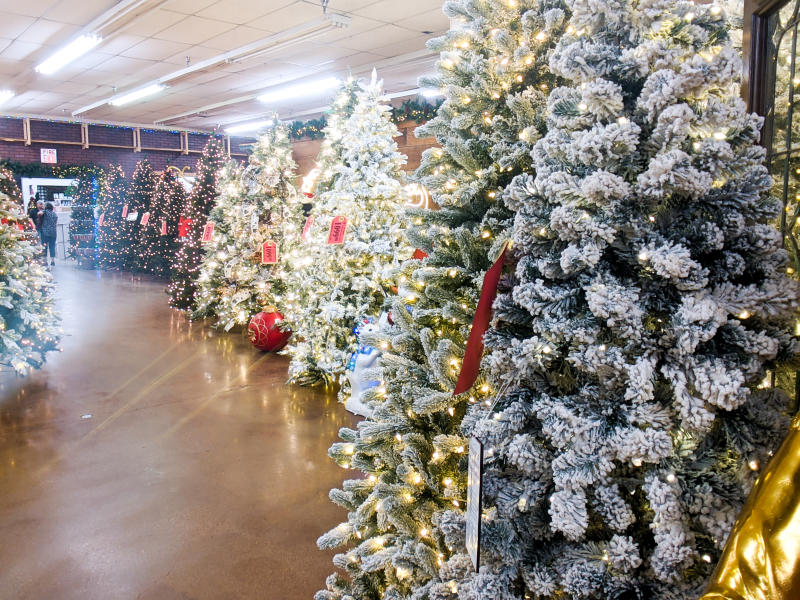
(429, 93)
(75, 49)
(313, 88)
(246, 127)
(137, 94)
(5, 96)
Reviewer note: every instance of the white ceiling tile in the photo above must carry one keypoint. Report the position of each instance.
(153, 22)
(407, 45)
(194, 30)
(289, 16)
(380, 36)
(195, 54)
(345, 5)
(154, 49)
(236, 37)
(240, 11)
(390, 11)
(78, 13)
(12, 25)
(188, 7)
(30, 8)
(434, 21)
(17, 50)
(119, 43)
(44, 31)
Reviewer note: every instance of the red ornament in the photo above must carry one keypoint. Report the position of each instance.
(264, 333)
(419, 254)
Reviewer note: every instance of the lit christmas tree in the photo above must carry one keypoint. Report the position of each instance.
(158, 240)
(186, 264)
(82, 230)
(140, 198)
(112, 255)
(29, 327)
(633, 348)
(258, 205)
(494, 73)
(348, 280)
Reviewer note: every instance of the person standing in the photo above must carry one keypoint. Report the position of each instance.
(49, 232)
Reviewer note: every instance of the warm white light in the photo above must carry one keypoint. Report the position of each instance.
(312, 88)
(5, 96)
(137, 94)
(76, 48)
(431, 93)
(253, 126)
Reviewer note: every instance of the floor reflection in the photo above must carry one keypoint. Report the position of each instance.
(156, 458)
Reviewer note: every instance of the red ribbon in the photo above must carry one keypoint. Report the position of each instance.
(480, 323)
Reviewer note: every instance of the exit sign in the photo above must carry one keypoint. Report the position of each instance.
(49, 156)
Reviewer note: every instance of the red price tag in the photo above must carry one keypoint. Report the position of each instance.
(163, 227)
(183, 227)
(338, 227)
(208, 232)
(307, 227)
(419, 254)
(101, 220)
(269, 253)
(145, 219)
(125, 211)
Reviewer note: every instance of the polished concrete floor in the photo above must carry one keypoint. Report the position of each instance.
(154, 459)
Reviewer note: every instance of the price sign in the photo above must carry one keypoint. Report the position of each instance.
(100, 221)
(145, 219)
(163, 227)
(338, 228)
(269, 253)
(307, 227)
(474, 496)
(125, 211)
(208, 232)
(183, 227)
(48, 156)
(133, 216)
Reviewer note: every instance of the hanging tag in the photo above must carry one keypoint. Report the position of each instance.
(419, 254)
(474, 497)
(208, 232)
(338, 228)
(307, 227)
(163, 227)
(480, 323)
(269, 253)
(133, 216)
(183, 227)
(125, 211)
(100, 221)
(145, 219)
(254, 221)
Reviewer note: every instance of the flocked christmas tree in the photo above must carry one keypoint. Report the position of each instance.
(649, 304)
(29, 327)
(186, 264)
(82, 224)
(112, 254)
(158, 240)
(348, 280)
(494, 73)
(258, 205)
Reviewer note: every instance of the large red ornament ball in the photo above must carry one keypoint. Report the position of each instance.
(264, 333)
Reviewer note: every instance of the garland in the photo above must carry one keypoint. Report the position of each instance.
(21, 170)
(410, 110)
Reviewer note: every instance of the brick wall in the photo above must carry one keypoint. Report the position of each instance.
(161, 148)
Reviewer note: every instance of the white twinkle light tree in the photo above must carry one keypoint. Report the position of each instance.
(494, 74)
(342, 283)
(633, 345)
(258, 205)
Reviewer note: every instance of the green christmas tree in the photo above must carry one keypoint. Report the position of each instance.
(29, 327)
(649, 304)
(349, 280)
(158, 240)
(257, 205)
(411, 451)
(82, 233)
(185, 268)
(112, 255)
(140, 200)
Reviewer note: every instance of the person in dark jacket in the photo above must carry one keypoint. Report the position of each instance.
(49, 232)
(35, 213)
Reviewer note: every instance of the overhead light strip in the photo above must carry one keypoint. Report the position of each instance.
(72, 51)
(135, 95)
(249, 127)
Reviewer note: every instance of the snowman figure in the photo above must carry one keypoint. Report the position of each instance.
(366, 357)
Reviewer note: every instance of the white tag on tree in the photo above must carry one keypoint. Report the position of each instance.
(474, 497)
(132, 216)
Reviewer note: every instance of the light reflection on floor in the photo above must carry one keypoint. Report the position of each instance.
(199, 473)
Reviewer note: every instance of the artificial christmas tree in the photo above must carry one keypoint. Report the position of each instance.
(649, 304)
(186, 264)
(112, 255)
(140, 200)
(82, 231)
(348, 277)
(158, 240)
(258, 205)
(494, 72)
(28, 324)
